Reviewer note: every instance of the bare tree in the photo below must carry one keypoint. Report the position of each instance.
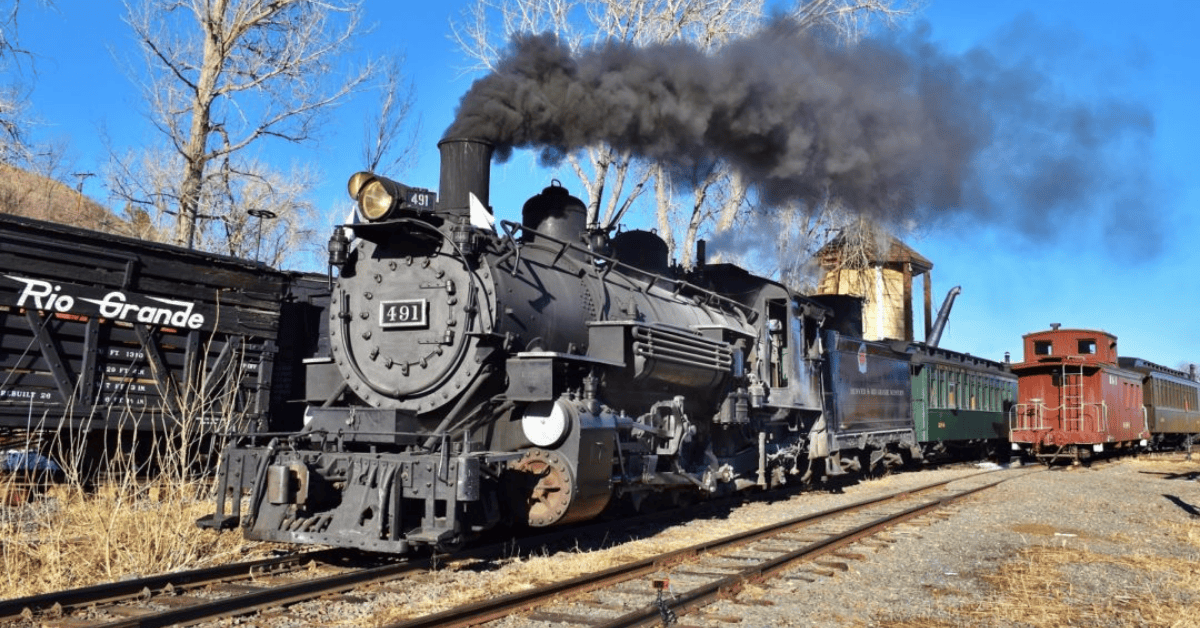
(711, 200)
(390, 133)
(222, 75)
(147, 180)
(851, 20)
(17, 67)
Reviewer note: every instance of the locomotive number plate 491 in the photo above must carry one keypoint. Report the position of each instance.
(406, 313)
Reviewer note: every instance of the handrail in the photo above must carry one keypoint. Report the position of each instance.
(676, 285)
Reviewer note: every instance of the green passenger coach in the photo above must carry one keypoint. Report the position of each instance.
(960, 402)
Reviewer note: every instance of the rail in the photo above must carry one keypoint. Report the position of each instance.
(1038, 417)
(788, 551)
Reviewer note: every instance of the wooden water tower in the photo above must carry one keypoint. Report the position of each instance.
(880, 270)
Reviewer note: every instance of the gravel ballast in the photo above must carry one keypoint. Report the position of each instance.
(1115, 544)
(1123, 537)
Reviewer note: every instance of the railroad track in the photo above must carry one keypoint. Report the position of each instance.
(181, 598)
(655, 590)
(194, 597)
(197, 596)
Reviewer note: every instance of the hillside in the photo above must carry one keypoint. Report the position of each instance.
(23, 193)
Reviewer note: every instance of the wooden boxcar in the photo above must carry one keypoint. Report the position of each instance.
(1074, 400)
(1172, 401)
(102, 334)
(960, 402)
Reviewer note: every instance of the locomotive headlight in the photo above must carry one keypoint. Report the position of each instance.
(378, 197)
(356, 183)
(545, 423)
(375, 201)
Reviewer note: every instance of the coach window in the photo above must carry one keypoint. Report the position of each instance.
(1043, 347)
(1087, 346)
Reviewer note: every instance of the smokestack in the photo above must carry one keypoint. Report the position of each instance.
(466, 170)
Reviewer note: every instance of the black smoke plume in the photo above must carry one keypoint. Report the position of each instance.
(893, 127)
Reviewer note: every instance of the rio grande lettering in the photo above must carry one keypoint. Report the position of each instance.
(43, 295)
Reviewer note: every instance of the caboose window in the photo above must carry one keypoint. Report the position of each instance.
(1043, 347)
(1087, 346)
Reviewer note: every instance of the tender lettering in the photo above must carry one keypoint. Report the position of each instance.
(877, 392)
(43, 295)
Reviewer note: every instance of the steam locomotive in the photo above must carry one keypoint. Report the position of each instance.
(536, 374)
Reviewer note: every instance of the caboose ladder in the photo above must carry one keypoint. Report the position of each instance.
(1072, 398)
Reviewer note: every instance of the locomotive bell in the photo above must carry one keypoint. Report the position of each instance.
(554, 213)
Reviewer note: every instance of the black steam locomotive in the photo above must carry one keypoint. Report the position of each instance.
(536, 374)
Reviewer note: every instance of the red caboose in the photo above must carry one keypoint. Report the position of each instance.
(1073, 400)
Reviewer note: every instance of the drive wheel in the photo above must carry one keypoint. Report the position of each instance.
(551, 486)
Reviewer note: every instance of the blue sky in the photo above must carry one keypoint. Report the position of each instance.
(1145, 292)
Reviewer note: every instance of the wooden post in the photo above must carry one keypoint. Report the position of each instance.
(928, 303)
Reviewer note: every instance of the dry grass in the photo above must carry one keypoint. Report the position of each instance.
(1037, 589)
(131, 513)
(1051, 584)
(1044, 587)
(72, 537)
